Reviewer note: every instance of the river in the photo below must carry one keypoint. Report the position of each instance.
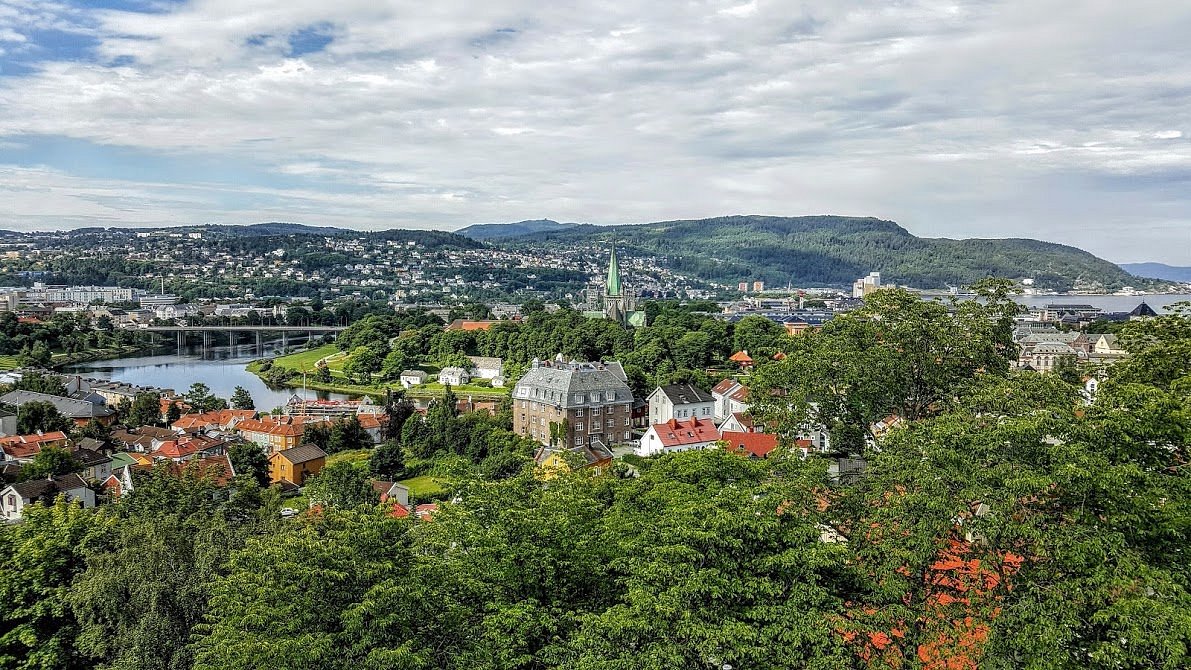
(222, 370)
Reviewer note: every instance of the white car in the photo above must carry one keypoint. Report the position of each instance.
(287, 512)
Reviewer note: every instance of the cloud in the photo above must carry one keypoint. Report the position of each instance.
(982, 118)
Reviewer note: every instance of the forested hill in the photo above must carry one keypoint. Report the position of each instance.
(835, 250)
(498, 231)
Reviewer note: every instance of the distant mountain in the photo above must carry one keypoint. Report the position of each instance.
(1159, 271)
(835, 250)
(501, 231)
(271, 229)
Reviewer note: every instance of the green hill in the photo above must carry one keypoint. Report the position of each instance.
(835, 250)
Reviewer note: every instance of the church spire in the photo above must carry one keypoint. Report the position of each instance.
(612, 287)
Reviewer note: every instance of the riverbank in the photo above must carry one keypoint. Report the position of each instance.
(61, 360)
(306, 361)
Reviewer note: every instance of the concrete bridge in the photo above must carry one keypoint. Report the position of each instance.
(233, 333)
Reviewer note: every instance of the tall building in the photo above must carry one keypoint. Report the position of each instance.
(865, 285)
(565, 405)
(613, 300)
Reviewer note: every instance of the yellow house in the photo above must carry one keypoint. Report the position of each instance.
(297, 464)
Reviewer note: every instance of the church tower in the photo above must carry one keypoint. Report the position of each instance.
(615, 306)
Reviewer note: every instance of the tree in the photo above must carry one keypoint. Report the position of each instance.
(96, 431)
(50, 462)
(39, 559)
(387, 460)
(201, 399)
(318, 434)
(249, 460)
(172, 413)
(242, 399)
(41, 383)
(322, 373)
(341, 485)
(347, 434)
(145, 410)
(41, 416)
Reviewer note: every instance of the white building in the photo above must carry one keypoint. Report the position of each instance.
(412, 378)
(14, 498)
(453, 375)
(674, 436)
(865, 285)
(729, 397)
(679, 401)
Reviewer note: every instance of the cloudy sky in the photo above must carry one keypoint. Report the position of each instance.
(1067, 121)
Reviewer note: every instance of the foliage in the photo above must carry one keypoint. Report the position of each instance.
(145, 410)
(387, 460)
(50, 462)
(41, 383)
(201, 399)
(249, 460)
(341, 485)
(242, 399)
(41, 416)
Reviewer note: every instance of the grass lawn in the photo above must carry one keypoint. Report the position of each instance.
(305, 360)
(8, 362)
(424, 486)
(435, 387)
(354, 456)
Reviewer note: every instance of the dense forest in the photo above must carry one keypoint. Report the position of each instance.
(1012, 521)
(835, 250)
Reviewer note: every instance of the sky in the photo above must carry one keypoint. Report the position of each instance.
(1058, 120)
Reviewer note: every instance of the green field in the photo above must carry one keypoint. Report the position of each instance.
(354, 456)
(305, 360)
(8, 362)
(424, 486)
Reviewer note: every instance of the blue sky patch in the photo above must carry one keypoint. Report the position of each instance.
(311, 39)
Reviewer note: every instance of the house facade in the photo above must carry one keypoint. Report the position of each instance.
(674, 436)
(566, 405)
(296, 465)
(16, 497)
(679, 401)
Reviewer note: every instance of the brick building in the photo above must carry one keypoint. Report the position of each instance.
(565, 405)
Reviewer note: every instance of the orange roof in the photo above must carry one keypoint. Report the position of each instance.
(218, 418)
(757, 445)
(460, 324)
(741, 357)
(217, 468)
(174, 449)
(289, 426)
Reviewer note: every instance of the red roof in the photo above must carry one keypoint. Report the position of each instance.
(424, 512)
(218, 418)
(675, 433)
(460, 324)
(725, 386)
(757, 445)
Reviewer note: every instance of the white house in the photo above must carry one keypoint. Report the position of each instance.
(14, 498)
(455, 376)
(486, 367)
(674, 435)
(679, 401)
(412, 378)
(96, 466)
(729, 397)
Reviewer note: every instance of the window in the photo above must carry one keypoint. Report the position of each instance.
(578, 412)
(611, 395)
(627, 435)
(578, 398)
(706, 410)
(595, 411)
(626, 421)
(611, 422)
(579, 428)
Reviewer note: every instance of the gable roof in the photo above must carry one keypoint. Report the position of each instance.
(757, 445)
(725, 387)
(301, 454)
(741, 356)
(68, 407)
(36, 488)
(685, 394)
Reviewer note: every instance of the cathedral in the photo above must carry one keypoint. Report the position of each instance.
(612, 300)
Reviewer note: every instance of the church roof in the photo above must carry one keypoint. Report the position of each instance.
(612, 286)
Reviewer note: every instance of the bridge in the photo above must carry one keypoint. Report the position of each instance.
(233, 333)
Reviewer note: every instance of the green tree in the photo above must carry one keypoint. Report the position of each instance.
(39, 559)
(346, 435)
(201, 399)
(387, 460)
(249, 460)
(96, 431)
(322, 373)
(145, 410)
(341, 485)
(41, 416)
(41, 383)
(50, 462)
(242, 399)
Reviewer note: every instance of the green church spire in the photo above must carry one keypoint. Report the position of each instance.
(612, 287)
